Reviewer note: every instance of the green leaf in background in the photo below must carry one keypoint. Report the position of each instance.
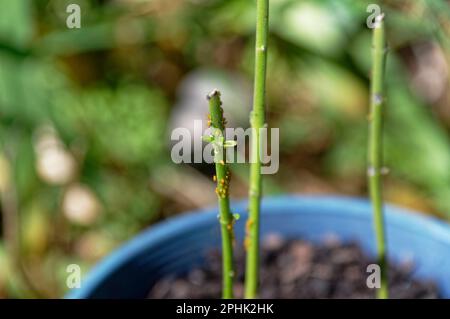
(337, 90)
(417, 147)
(16, 23)
(127, 125)
(26, 88)
(312, 25)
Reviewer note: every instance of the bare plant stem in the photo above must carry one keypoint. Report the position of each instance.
(375, 159)
(257, 120)
(222, 177)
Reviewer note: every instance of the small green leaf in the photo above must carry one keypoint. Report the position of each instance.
(236, 216)
(208, 138)
(230, 143)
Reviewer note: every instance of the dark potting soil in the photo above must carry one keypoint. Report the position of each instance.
(298, 269)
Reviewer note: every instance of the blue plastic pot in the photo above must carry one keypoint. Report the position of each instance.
(176, 245)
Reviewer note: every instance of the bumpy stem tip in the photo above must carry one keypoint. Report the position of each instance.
(213, 93)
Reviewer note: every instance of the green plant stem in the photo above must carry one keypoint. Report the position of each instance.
(217, 122)
(375, 159)
(257, 120)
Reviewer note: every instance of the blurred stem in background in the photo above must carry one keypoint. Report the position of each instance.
(257, 120)
(375, 162)
(222, 178)
(11, 228)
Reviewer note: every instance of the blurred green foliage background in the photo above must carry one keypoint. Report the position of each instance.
(85, 115)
